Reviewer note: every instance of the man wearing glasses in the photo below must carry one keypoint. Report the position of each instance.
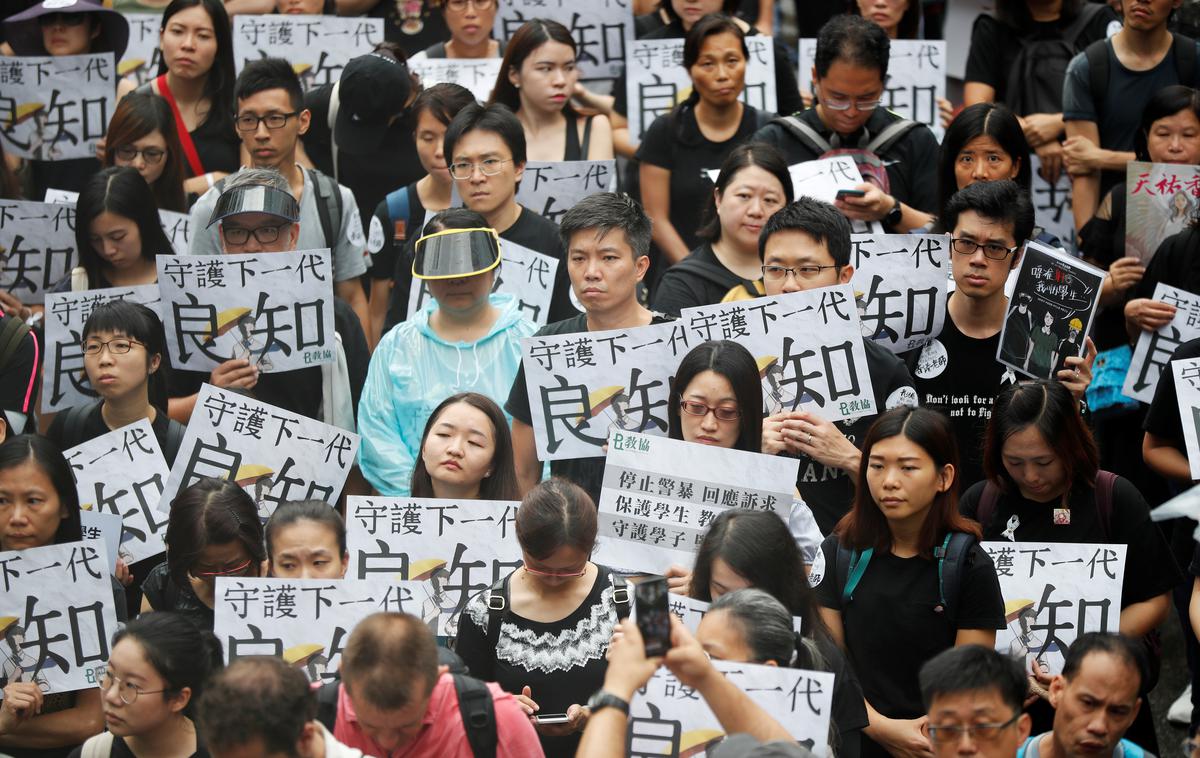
(848, 77)
(974, 698)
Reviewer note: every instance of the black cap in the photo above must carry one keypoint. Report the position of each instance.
(373, 88)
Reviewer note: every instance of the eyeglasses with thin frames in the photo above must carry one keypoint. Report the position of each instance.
(807, 271)
(489, 167)
(982, 732)
(556, 574)
(235, 571)
(116, 346)
(964, 246)
(699, 409)
(461, 5)
(248, 122)
(127, 691)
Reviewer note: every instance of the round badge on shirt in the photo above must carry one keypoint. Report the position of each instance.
(933, 361)
(375, 236)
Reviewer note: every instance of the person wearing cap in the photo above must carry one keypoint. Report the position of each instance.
(467, 340)
(270, 119)
(256, 213)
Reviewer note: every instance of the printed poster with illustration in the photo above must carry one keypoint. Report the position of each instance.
(55, 108)
(1050, 311)
(1161, 200)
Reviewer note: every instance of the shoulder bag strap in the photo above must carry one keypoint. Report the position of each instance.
(185, 137)
(334, 103)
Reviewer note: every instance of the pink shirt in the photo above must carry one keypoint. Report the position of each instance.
(442, 734)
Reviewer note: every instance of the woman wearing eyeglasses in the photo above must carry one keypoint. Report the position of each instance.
(470, 23)
(156, 671)
(142, 135)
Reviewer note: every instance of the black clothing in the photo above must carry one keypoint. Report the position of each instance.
(165, 595)
(703, 281)
(1176, 263)
(1162, 420)
(94, 426)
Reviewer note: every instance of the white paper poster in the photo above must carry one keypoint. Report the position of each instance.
(37, 246)
(602, 29)
(551, 188)
(900, 287)
(1154, 349)
(318, 47)
(525, 274)
(1187, 391)
(476, 74)
(55, 108)
(142, 55)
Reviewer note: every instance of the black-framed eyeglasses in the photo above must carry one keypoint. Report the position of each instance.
(697, 408)
(248, 122)
(116, 346)
(236, 235)
(152, 155)
(461, 5)
(63, 19)
(807, 271)
(127, 691)
(964, 246)
(951, 734)
(489, 167)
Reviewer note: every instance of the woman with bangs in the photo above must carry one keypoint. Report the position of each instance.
(142, 135)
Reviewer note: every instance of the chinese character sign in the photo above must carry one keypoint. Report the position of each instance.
(916, 79)
(659, 496)
(272, 309)
(821, 179)
(808, 346)
(142, 56)
(273, 454)
(900, 287)
(1154, 349)
(1054, 592)
(691, 611)
(457, 548)
(306, 622)
(476, 74)
(1050, 311)
(123, 473)
(656, 81)
(105, 527)
(64, 381)
(57, 107)
(1052, 204)
(581, 385)
(37, 245)
(177, 226)
(1187, 389)
(523, 273)
(1162, 199)
(602, 30)
(318, 47)
(667, 717)
(551, 188)
(57, 615)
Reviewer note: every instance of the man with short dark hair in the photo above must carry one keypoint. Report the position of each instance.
(976, 694)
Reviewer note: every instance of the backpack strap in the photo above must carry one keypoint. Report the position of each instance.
(805, 133)
(1185, 58)
(952, 560)
(398, 208)
(856, 564)
(478, 715)
(329, 206)
(891, 134)
(1105, 482)
(1097, 59)
(327, 703)
(73, 421)
(1087, 14)
(987, 503)
(620, 595)
(718, 275)
(497, 603)
(335, 102)
(98, 746)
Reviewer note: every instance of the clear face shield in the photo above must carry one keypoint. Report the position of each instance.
(256, 198)
(455, 253)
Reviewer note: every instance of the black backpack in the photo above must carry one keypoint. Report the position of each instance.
(1035, 81)
(1184, 49)
(951, 558)
(76, 416)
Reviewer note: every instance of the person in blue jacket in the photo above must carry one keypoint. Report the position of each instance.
(467, 340)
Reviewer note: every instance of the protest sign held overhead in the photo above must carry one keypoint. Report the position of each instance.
(272, 309)
(900, 287)
(1161, 200)
(476, 74)
(660, 495)
(37, 247)
(551, 188)
(57, 615)
(56, 108)
(318, 47)
(1054, 592)
(1153, 350)
(1187, 390)
(273, 454)
(602, 30)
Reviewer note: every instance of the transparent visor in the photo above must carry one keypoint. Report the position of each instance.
(454, 253)
(256, 198)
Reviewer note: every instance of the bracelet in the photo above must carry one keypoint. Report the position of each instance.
(208, 178)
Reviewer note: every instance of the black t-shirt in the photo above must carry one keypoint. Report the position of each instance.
(674, 142)
(1150, 568)
(414, 25)
(899, 595)
(217, 145)
(849, 713)
(1162, 420)
(1194, 566)
(20, 378)
(911, 162)
(703, 281)
(959, 375)
(384, 259)
(164, 595)
(1176, 263)
(70, 175)
(1102, 242)
(121, 750)
(94, 426)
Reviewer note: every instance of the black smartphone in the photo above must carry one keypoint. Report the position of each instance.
(653, 615)
(844, 193)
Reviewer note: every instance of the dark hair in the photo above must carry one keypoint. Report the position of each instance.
(443, 101)
(737, 365)
(137, 115)
(1004, 201)
(122, 191)
(760, 548)
(603, 212)
(501, 484)
(728, 7)
(183, 654)
(390, 660)
(495, 118)
(766, 626)
(556, 513)
(267, 74)
(218, 84)
(138, 322)
(708, 26)
(1166, 102)
(41, 452)
(210, 512)
(1050, 408)
(910, 22)
(257, 697)
(1119, 646)
(305, 510)
(819, 220)
(757, 154)
(865, 525)
(853, 40)
(974, 668)
(982, 120)
(455, 218)
(533, 34)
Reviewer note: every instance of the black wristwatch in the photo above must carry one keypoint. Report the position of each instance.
(892, 219)
(603, 699)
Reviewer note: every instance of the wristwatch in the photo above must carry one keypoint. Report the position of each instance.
(604, 699)
(892, 219)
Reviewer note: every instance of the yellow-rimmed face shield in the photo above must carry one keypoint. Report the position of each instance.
(455, 253)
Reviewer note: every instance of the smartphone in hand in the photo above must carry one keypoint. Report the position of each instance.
(653, 615)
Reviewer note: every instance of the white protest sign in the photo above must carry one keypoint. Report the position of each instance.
(306, 622)
(602, 29)
(106, 528)
(1161, 200)
(56, 108)
(551, 188)
(318, 47)
(900, 287)
(1187, 391)
(177, 226)
(273, 309)
(37, 246)
(523, 273)
(64, 381)
(659, 496)
(670, 718)
(916, 79)
(476, 74)
(123, 473)
(656, 81)
(459, 548)
(808, 346)
(142, 56)
(819, 179)
(581, 385)
(956, 30)
(61, 197)
(1054, 592)
(57, 615)
(691, 611)
(1154, 349)
(273, 454)
(1052, 204)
